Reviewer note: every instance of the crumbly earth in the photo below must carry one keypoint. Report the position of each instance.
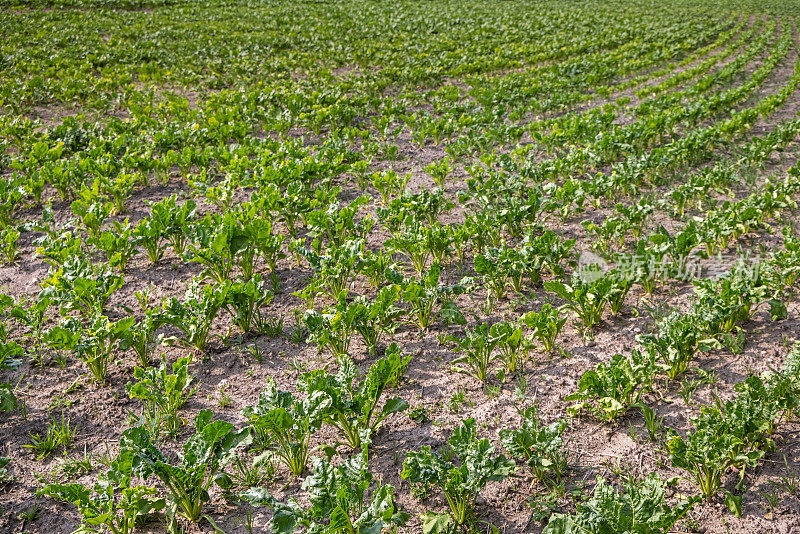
(229, 377)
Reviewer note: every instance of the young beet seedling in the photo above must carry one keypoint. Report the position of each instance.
(478, 347)
(461, 482)
(344, 499)
(540, 447)
(586, 298)
(641, 508)
(163, 394)
(545, 325)
(96, 345)
(350, 405)
(286, 421)
(205, 455)
(113, 503)
(611, 389)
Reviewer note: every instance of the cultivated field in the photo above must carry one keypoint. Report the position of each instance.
(418, 267)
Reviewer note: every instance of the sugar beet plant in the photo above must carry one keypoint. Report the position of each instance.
(611, 389)
(285, 424)
(344, 498)
(204, 457)
(540, 447)
(586, 296)
(8, 361)
(163, 394)
(676, 343)
(352, 405)
(79, 285)
(113, 503)
(461, 482)
(736, 434)
(244, 300)
(97, 345)
(194, 315)
(477, 347)
(545, 325)
(642, 507)
(429, 299)
(378, 201)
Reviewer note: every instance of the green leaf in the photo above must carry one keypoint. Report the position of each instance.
(450, 314)
(559, 524)
(258, 497)
(8, 401)
(734, 503)
(223, 481)
(340, 520)
(433, 523)
(213, 524)
(394, 406)
(777, 310)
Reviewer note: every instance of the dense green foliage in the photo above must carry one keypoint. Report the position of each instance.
(401, 201)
